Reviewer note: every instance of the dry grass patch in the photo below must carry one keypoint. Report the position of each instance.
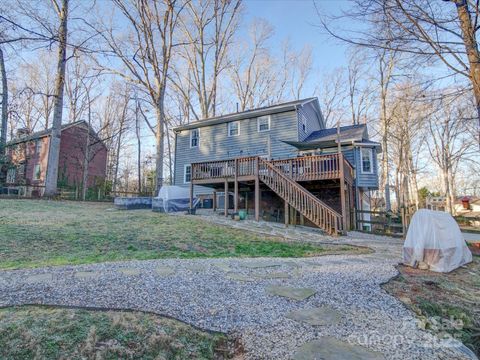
(33, 332)
(37, 233)
(444, 302)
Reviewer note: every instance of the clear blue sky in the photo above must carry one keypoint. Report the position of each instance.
(298, 20)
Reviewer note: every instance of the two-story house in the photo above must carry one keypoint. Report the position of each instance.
(28, 155)
(280, 163)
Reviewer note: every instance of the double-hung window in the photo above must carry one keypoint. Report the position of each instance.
(38, 146)
(11, 175)
(367, 160)
(187, 174)
(194, 138)
(234, 128)
(37, 172)
(263, 123)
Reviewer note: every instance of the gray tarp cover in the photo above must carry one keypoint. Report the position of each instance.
(175, 198)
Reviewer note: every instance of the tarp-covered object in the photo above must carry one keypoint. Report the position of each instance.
(434, 238)
(173, 198)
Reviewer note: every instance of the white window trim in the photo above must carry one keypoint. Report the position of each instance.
(228, 128)
(198, 141)
(38, 146)
(35, 172)
(370, 155)
(185, 173)
(258, 123)
(11, 175)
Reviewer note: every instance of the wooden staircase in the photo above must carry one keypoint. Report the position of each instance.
(300, 198)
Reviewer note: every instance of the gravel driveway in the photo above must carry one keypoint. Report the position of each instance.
(277, 306)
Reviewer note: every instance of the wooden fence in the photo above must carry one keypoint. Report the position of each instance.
(383, 222)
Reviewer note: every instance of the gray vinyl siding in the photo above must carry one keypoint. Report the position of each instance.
(369, 181)
(215, 144)
(313, 120)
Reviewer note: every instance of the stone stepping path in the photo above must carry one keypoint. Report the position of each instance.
(196, 267)
(291, 292)
(261, 264)
(38, 278)
(87, 275)
(164, 271)
(320, 316)
(130, 271)
(329, 348)
(239, 277)
(273, 275)
(224, 267)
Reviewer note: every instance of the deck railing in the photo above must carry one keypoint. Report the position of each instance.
(221, 169)
(300, 198)
(318, 167)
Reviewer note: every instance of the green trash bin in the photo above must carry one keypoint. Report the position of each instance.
(242, 214)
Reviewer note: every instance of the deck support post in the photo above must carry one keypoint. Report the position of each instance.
(191, 196)
(257, 191)
(235, 186)
(302, 219)
(342, 191)
(226, 198)
(214, 202)
(286, 211)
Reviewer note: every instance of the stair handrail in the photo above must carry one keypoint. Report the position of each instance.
(296, 186)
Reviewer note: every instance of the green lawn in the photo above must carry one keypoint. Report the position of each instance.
(37, 233)
(34, 332)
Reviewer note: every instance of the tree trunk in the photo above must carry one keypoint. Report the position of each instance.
(470, 41)
(446, 184)
(170, 153)
(3, 128)
(117, 155)
(86, 160)
(139, 149)
(451, 180)
(54, 148)
(159, 138)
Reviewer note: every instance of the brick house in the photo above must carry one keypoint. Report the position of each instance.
(28, 155)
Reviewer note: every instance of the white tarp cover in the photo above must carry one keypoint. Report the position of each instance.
(435, 238)
(175, 198)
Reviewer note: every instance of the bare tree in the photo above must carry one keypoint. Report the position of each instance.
(139, 145)
(359, 90)
(405, 133)
(451, 140)
(300, 70)
(386, 63)
(208, 28)
(54, 147)
(430, 30)
(146, 53)
(332, 93)
(122, 124)
(4, 121)
(253, 73)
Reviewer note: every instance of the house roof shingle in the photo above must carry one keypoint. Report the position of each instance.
(40, 134)
(350, 132)
(267, 110)
(325, 138)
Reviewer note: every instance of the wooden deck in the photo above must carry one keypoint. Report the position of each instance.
(307, 168)
(284, 178)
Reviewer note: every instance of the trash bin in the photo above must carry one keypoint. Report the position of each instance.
(242, 214)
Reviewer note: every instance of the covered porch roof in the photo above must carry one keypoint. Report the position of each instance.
(356, 135)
